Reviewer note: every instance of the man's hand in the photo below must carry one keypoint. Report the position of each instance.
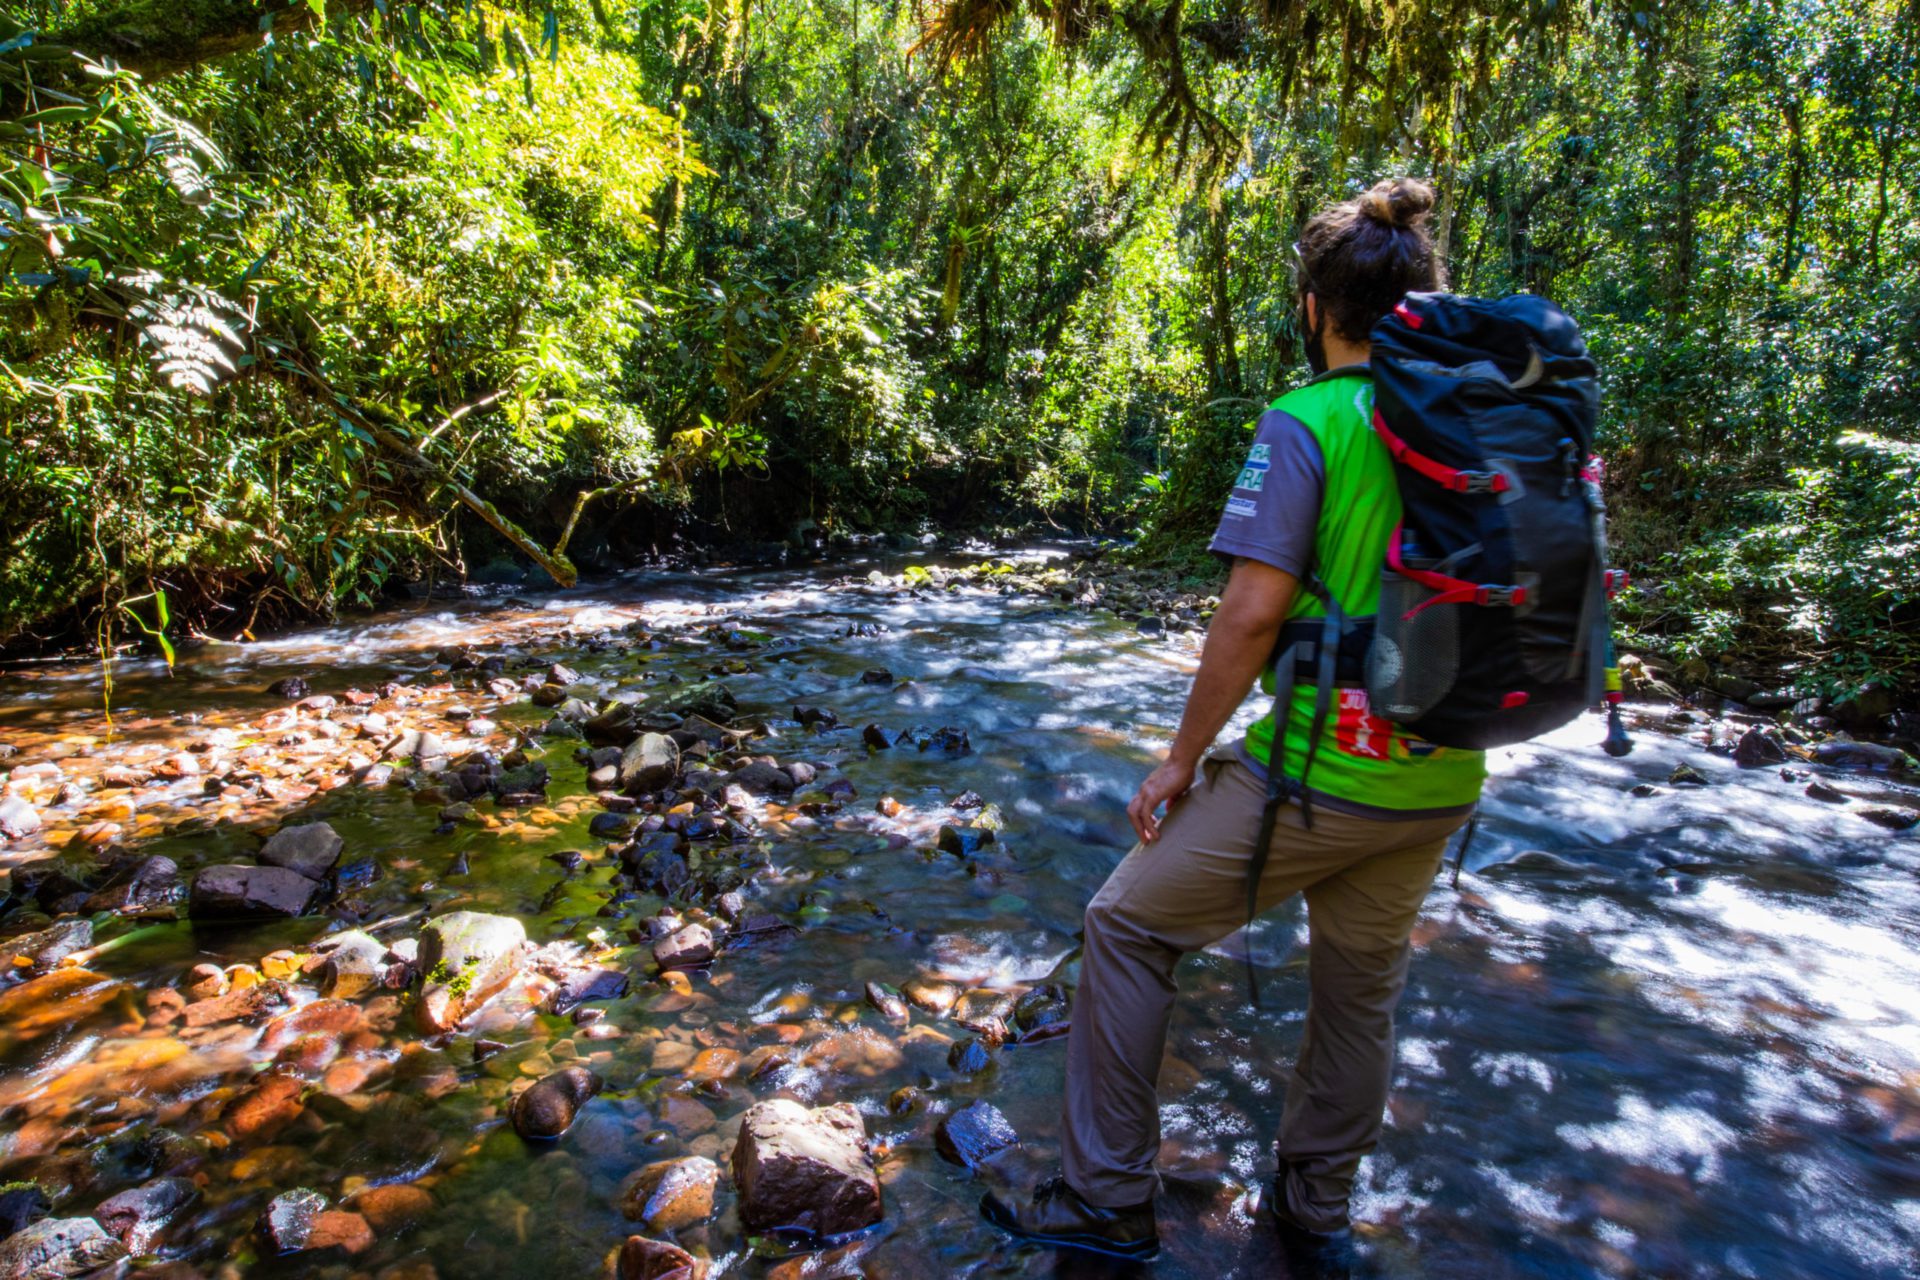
(1163, 786)
(1239, 643)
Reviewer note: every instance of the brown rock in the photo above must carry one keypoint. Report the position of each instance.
(393, 1208)
(269, 1107)
(686, 948)
(805, 1170)
(547, 1110)
(340, 1229)
(644, 1259)
(242, 1004)
(331, 1018)
(671, 1194)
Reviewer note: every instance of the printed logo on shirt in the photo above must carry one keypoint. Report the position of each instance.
(1253, 476)
(1358, 731)
(1242, 506)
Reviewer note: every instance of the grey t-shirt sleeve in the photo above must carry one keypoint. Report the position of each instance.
(1274, 510)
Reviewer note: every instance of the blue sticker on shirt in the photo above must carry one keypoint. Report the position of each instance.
(1242, 506)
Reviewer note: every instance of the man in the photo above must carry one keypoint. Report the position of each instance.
(1371, 810)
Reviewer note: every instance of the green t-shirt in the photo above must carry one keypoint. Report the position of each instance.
(1317, 442)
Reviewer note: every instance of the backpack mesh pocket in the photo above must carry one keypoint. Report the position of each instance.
(1413, 661)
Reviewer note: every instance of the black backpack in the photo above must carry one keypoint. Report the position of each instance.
(1492, 625)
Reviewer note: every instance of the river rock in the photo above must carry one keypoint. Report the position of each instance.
(879, 737)
(1818, 790)
(22, 1203)
(810, 716)
(762, 778)
(393, 1208)
(57, 1249)
(251, 1004)
(18, 819)
(1891, 819)
(970, 1057)
(1863, 755)
(233, 892)
(964, 842)
(974, 1133)
(644, 1259)
(688, 947)
(38, 952)
(311, 849)
(931, 995)
(808, 1170)
(292, 688)
(1041, 1012)
(671, 1194)
(1756, 748)
(617, 726)
(138, 1217)
(1685, 775)
(355, 963)
(153, 888)
(888, 1000)
(467, 956)
(413, 746)
(288, 1220)
(547, 1110)
(649, 763)
(582, 985)
(611, 826)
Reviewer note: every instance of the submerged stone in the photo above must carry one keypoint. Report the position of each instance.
(974, 1133)
(58, 1249)
(547, 1110)
(672, 1194)
(288, 1220)
(805, 1170)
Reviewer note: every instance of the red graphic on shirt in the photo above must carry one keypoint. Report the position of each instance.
(1359, 732)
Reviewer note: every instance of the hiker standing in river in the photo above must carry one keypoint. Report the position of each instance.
(1370, 807)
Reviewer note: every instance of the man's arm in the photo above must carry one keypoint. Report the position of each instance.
(1240, 642)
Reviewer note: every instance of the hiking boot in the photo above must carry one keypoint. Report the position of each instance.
(1309, 1254)
(1057, 1216)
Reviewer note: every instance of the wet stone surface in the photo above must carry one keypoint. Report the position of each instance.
(1682, 982)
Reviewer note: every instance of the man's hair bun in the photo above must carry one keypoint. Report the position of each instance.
(1397, 202)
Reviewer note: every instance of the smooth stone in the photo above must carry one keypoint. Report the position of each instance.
(288, 1220)
(58, 1249)
(805, 1170)
(546, 1110)
(649, 763)
(138, 1217)
(974, 1133)
(672, 1194)
(234, 892)
(311, 849)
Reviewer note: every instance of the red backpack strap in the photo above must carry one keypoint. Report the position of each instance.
(1446, 477)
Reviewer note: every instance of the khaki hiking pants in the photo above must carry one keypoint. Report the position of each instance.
(1364, 880)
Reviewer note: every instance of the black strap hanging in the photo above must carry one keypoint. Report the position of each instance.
(1280, 787)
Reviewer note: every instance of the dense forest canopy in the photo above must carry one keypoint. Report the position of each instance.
(305, 299)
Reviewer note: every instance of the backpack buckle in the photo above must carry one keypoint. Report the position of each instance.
(1479, 482)
(1504, 597)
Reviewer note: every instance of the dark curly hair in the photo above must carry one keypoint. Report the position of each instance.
(1360, 257)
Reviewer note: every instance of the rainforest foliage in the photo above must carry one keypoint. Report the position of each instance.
(305, 299)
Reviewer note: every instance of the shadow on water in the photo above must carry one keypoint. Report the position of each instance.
(1675, 1035)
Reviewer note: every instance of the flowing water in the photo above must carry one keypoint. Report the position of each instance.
(1686, 1044)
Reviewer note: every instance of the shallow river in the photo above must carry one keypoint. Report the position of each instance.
(1685, 1045)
